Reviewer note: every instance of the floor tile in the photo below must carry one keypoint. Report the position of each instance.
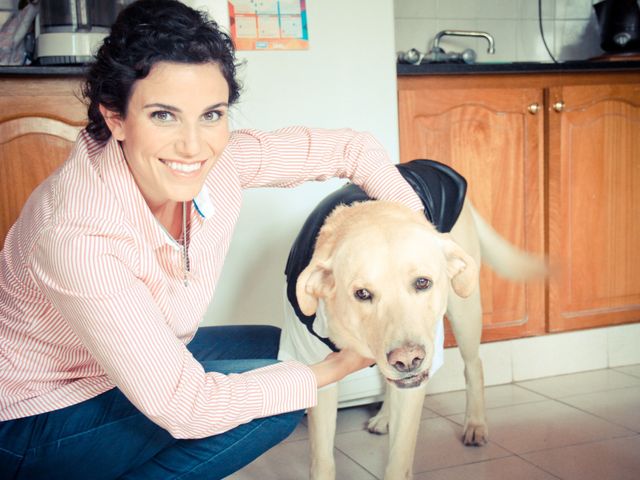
(290, 461)
(615, 459)
(630, 370)
(621, 406)
(438, 446)
(501, 468)
(499, 396)
(300, 433)
(542, 425)
(355, 419)
(579, 383)
(588, 431)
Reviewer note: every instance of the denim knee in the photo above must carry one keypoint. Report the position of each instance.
(290, 421)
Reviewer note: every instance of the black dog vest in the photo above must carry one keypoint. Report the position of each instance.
(440, 188)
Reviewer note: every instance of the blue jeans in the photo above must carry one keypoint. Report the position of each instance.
(106, 437)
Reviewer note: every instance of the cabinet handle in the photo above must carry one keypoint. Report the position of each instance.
(533, 108)
(558, 106)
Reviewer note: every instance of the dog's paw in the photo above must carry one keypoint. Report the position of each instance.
(475, 434)
(379, 424)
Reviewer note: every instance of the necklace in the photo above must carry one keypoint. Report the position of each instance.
(185, 246)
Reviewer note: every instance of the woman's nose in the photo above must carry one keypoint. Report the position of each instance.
(189, 143)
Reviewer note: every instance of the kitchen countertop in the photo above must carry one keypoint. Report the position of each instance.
(517, 67)
(402, 69)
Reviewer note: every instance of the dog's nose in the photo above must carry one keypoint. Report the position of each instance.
(406, 358)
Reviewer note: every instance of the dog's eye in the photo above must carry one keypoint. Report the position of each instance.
(362, 294)
(423, 283)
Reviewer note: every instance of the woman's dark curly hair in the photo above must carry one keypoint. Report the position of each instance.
(145, 33)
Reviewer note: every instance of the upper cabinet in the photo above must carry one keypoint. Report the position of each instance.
(552, 163)
(39, 121)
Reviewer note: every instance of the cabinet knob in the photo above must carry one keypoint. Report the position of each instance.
(533, 108)
(558, 106)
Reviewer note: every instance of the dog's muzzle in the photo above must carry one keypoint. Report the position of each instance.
(407, 359)
(411, 381)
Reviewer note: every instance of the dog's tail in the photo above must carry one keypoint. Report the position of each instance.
(506, 259)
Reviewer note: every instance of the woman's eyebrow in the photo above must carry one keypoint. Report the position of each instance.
(217, 105)
(163, 107)
(171, 108)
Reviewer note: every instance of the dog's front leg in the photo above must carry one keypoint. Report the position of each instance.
(380, 422)
(405, 410)
(322, 431)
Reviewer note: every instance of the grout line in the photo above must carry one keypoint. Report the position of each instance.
(539, 467)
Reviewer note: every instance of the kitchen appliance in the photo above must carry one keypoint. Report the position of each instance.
(69, 31)
(619, 22)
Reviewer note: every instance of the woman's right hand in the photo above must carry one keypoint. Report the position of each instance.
(338, 365)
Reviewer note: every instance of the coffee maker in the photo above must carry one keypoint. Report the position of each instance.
(619, 22)
(70, 31)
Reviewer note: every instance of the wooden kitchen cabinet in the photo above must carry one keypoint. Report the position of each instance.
(553, 161)
(39, 121)
(491, 138)
(594, 205)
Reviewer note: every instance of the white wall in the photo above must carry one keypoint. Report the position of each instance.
(345, 79)
(570, 27)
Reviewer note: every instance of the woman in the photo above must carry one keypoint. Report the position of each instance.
(114, 259)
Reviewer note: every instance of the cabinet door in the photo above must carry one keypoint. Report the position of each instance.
(492, 137)
(39, 120)
(594, 205)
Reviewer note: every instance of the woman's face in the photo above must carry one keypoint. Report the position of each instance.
(175, 129)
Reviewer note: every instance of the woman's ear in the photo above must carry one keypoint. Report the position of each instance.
(114, 122)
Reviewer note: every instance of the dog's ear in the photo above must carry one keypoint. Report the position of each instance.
(316, 280)
(461, 268)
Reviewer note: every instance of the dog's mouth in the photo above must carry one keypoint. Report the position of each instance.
(411, 381)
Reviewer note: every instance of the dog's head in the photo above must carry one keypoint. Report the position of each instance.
(384, 273)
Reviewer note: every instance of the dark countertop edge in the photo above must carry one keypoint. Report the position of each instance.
(402, 69)
(516, 67)
(44, 71)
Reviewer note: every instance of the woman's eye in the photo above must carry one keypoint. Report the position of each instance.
(423, 283)
(363, 294)
(162, 116)
(212, 116)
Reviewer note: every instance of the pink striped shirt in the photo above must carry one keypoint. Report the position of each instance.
(92, 293)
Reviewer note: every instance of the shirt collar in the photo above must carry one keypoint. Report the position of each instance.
(115, 173)
(203, 204)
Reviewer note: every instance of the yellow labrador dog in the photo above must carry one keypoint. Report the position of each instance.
(382, 278)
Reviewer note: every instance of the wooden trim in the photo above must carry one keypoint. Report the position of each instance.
(18, 127)
(542, 80)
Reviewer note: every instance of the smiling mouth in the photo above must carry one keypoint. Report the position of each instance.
(185, 168)
(411, 381)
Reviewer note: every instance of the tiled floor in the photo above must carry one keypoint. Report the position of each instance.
(583, 426)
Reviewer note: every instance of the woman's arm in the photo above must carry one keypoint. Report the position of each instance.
(338, 365)
(90, 274)
(291, 156)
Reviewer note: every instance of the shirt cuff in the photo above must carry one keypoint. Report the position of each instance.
(388, 184)
(285, 387)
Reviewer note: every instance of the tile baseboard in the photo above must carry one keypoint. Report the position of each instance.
(543, 356)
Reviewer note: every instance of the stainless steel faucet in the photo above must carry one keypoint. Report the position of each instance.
(463, 33)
